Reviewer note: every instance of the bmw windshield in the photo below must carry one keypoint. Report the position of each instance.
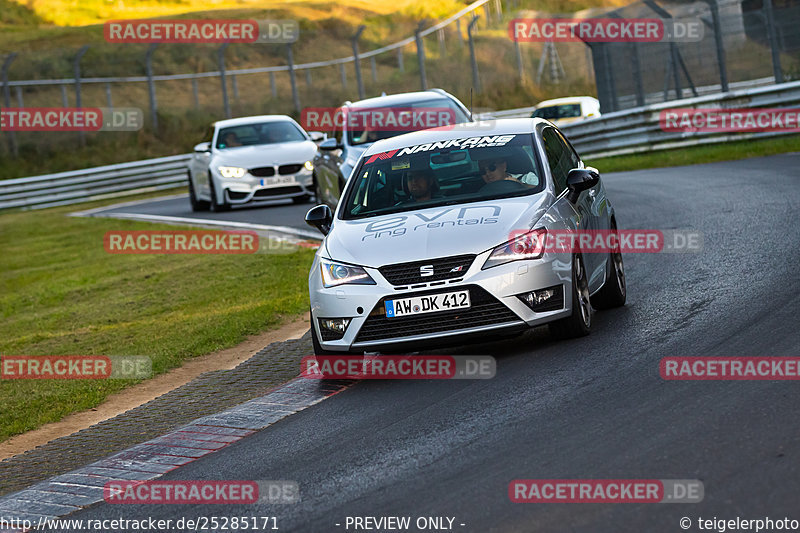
(444, 173)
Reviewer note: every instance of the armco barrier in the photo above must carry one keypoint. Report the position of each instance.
(110, 181)
(623, 132)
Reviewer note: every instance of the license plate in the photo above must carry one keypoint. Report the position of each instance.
(431, 303)
(278, 180)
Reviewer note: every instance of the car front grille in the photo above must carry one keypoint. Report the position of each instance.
(290, 169)
(262, 172)
(485, 310)
(443, 268)
(277, 191)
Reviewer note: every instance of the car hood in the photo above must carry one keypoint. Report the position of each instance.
(469, 228)
(267, 154)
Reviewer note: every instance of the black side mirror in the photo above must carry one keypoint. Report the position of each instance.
(321, 218)
(580, 179)
(330, 145)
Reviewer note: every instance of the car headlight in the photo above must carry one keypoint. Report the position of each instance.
(232, 172)
(528, 245)
(334, 274)
(309, 165)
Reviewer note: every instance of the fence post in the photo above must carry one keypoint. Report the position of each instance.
(221, 61)
(235, 87)
(476, 82)
(64, 99)
(76, 67)
(12, 138)
(440, 35)
(723, 69)
(518, 54)
(273, 87)
(356, 60)
(108, 96)
(195, 94)
(292, 77)
(636, 68)
(20, 99)
(400, 65)
(344, 75)
(421, 55)
(773, 41)
(374, 69)
(151, 86)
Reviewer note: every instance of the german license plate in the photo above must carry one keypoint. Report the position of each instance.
(277, 180)
(431, 303)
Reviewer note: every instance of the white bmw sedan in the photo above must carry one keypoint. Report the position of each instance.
(439, 238)
(252, 159)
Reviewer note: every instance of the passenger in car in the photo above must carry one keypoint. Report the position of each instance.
(495, 169)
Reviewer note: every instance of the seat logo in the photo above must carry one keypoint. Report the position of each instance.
(426, 271)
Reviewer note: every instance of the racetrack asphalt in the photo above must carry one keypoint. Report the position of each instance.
(594, 407)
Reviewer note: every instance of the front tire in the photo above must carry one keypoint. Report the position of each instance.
(579, 323)
(197, 205)
(216, 207)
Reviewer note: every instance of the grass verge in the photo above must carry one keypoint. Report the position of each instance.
(62, 294)
(695, 155)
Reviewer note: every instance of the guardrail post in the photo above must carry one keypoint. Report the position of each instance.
(221, 61)
(20, 99)
(374, 69)
(400, 65)
(636, 68)
(151, 86)
(109, 101)
(356, 60)
(273, 87)
(343, 73)
(64, 99)
(773, 41)
(518, 55)
(476, 82)
(293, 78)
(308, 78)
(423, 80)
(440, 36)
(76, 66)
(723, 69)
(12, 138)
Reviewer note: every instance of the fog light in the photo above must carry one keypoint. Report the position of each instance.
(548, 299)
(333, 328)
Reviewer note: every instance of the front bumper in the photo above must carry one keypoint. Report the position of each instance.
(493, 293)
(249, 189)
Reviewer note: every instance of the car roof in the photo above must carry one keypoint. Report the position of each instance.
(567, 100)
(505, 126)
(402, 98)
(250, 120)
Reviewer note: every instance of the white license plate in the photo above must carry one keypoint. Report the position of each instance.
(277, 180)
(431, 303)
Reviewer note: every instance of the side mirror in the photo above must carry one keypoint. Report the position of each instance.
(202, 147)
(317, 136)
(321, 218)
(330, 145)
(580, 179)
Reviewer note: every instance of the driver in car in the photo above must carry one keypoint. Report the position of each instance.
(422, 185)
(231, 140)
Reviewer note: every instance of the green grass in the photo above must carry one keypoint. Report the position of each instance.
(62, 294)
(729, 151)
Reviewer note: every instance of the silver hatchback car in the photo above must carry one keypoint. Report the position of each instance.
(422, 249)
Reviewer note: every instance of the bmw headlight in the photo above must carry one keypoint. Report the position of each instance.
(309, 165)
(528, 245)
(232, 172)
(334, 274)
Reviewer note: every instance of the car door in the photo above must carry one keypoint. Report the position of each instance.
(562, 158)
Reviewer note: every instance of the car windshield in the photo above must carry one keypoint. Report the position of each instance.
(444, 173)
(370, 124)
(259, 133)
(558, 111)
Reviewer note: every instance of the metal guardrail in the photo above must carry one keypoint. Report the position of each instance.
(638, 130)
(622, 132)
(112, 181)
